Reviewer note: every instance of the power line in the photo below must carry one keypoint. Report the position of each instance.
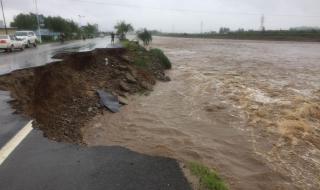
(191, 10)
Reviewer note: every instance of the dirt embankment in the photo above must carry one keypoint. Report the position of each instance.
(61, 96)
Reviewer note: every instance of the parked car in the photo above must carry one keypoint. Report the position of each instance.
(29, 38)
(10, 42)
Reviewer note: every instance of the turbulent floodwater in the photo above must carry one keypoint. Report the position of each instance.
(248, 109)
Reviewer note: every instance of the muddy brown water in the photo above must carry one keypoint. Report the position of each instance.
(249, 109)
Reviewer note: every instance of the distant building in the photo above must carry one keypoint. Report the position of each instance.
(9, 29)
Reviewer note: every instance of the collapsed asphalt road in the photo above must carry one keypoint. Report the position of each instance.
(37, 163)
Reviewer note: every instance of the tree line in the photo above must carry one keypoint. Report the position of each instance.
(54, 24)
(293, 34)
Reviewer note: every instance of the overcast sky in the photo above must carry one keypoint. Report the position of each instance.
(177, 15)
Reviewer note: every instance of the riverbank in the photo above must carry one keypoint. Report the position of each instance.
(62, 96)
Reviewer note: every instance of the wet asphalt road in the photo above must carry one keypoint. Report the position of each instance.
(41, 55)
(10, 124)
(40, 164)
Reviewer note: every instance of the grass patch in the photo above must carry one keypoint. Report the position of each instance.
(133, 46)
(140, 62)
(164, 60)
(144, 58)
(139, 53)
(209, 179)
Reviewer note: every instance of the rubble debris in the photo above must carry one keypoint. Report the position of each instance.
(124, 86)
(123, 100)
(130, 78)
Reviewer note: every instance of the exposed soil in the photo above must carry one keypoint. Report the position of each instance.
(61, 96)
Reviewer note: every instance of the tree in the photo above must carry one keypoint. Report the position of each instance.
(25, 22)
(224, 30)
(55, 24)
(145, 36)
(89, 29)
(122, 29)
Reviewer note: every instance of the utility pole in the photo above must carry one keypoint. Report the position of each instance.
(38, 20)
(4, 19)
(80, 18)
(262, 23)
(201, 28)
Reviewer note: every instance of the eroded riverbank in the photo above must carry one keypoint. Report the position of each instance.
(248, 109)
(62, 96)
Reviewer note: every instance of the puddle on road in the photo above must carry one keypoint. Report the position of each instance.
(247, 109)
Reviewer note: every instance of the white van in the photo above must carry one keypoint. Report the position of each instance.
(29, 38)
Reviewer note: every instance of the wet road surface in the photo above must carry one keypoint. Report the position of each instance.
(41, 55)
(40, 164)
(10, 124)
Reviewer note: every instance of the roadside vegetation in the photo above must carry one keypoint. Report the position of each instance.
(122, 29)
(145, 36)
(141, 54)
(158, 53)
(208, 179)
(143, 57)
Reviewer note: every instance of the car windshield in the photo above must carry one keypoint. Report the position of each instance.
(3, 37)
(21, 33)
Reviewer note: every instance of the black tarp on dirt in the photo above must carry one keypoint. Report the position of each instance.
(109, 101)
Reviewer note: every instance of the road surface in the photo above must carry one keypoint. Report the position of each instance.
(42, 54)
(37, 163)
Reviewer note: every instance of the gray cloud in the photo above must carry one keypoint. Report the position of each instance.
(180, 16)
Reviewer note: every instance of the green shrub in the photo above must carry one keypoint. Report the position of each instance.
(164, 60)
(140, 62)
(145, 36)
(208, 178)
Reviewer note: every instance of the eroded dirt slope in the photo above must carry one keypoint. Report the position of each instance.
(62, 96)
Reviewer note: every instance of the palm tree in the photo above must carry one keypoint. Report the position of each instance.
(145, 36)
(122, 29)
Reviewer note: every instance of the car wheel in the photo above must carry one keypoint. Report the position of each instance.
(22, 48)
(35, 45)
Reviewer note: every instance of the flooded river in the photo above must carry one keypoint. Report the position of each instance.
(248, 109)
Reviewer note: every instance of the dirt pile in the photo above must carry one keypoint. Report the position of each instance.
(62, 97)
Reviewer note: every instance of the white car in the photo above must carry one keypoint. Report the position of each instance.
(29, 38)
(10, 42)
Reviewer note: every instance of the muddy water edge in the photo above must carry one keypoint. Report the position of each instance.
(248, 109)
